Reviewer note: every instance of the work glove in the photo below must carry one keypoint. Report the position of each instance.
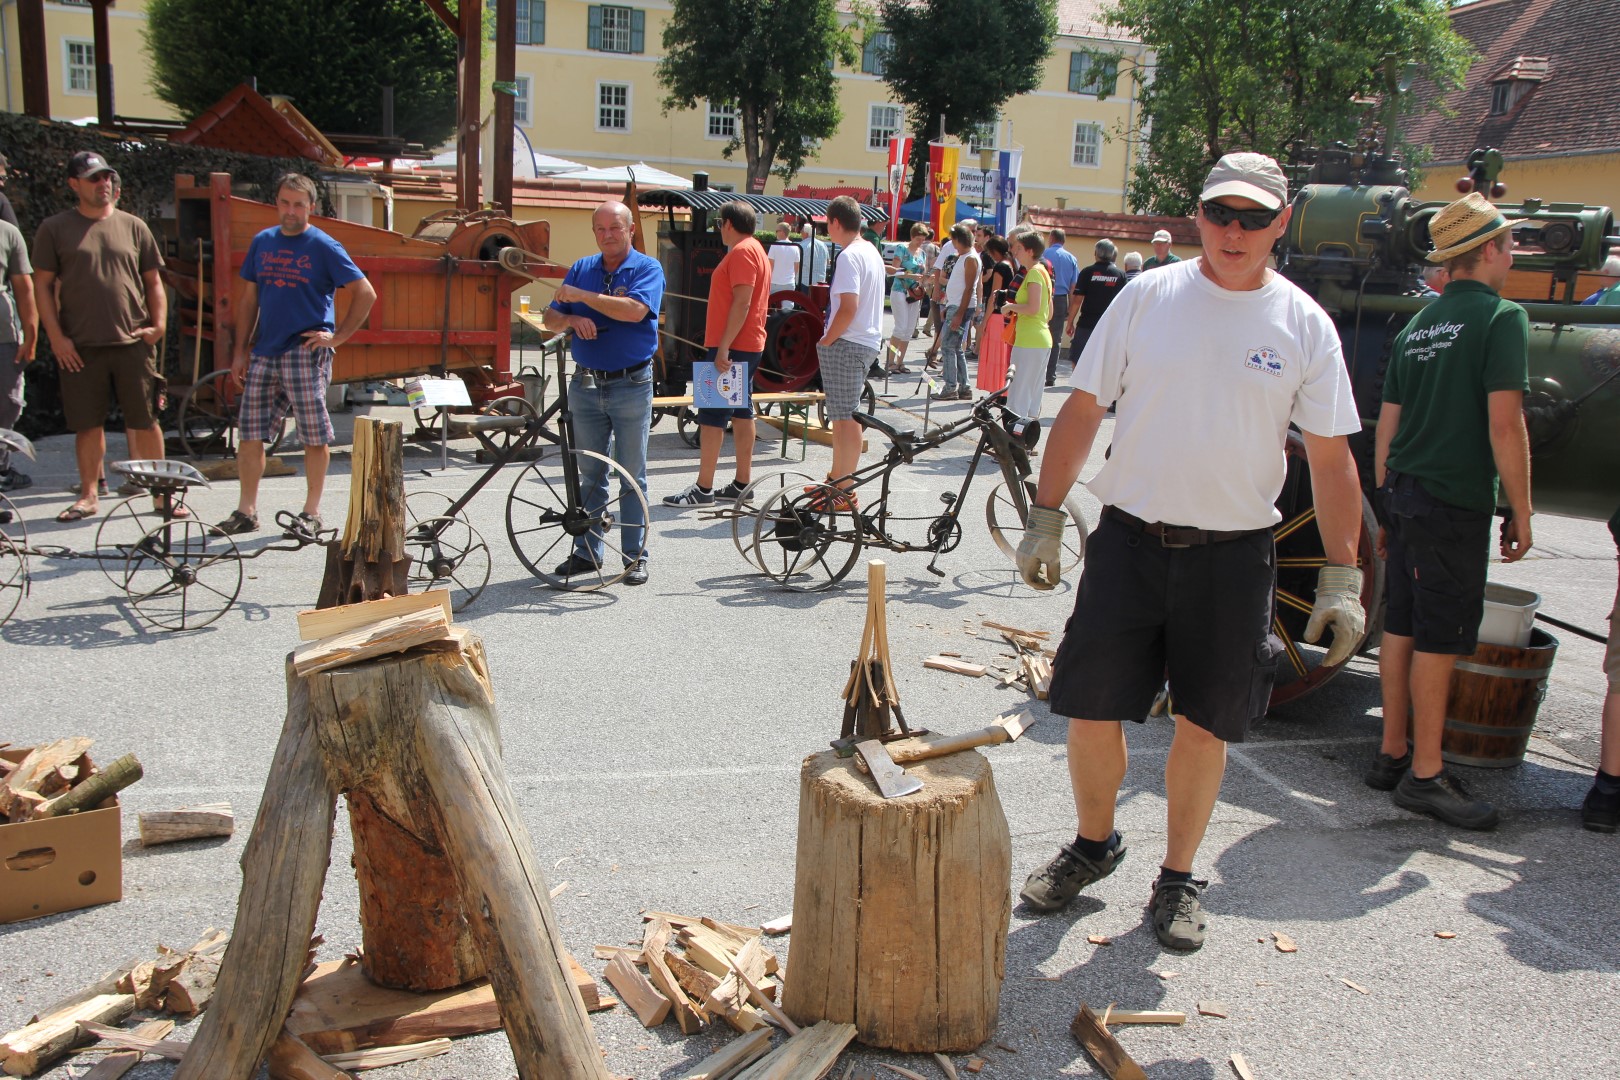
(1040, 552)
(1338, 604)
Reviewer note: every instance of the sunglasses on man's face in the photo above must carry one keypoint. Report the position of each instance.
(1221, 215)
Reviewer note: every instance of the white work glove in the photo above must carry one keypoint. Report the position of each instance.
(1040, 552)
(1338, 604)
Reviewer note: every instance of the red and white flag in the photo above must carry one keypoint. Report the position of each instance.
(899, 162)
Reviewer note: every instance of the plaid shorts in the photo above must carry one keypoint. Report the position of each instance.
(295, 380)
(843, 375)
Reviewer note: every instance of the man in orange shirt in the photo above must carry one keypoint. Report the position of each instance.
(739, 291)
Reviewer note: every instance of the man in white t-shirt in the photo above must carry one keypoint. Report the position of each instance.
(785, 259)
(1207, 362)
(853, 336)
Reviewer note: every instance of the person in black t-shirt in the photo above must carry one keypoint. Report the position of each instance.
(1094, 290)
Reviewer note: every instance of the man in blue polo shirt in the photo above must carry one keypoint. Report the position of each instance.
(610, 301)
(1065, 269)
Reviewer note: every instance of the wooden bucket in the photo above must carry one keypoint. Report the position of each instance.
(1495, 692)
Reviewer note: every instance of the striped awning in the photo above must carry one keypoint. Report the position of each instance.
(710, 199)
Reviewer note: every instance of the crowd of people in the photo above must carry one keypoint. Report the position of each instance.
(1206, 364)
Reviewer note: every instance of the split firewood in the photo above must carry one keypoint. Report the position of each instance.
(378, 1057)
(1037, 675)
(186, 823)
(138, 981)
(589, 992)
(811, 1052)
(167, 1049)
(955, 667)
(29, 1049)
(697, 983)
(391, 635)
(678, 922)
(188, 992)
(729, 994)
(631, 953)
(92, 792)
(318, 623)
(658, 936)
(1103, 1048)
(45, 771)
(1241, 1067)
(116, 1065)
(758, 997)
(946, 1064)
(732, 1057)
(649, 1004)
(778, 926)
(291, 1059)
(1146, 1016)
(1284, 942)
(1041, 635)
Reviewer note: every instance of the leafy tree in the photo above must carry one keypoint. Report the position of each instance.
(1275, 76)
(332, 57)
(772, 60)
(961, 60)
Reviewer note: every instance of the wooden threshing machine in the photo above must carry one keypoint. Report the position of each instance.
(444, 304)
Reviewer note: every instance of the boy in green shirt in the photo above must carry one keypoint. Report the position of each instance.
(1451, 422)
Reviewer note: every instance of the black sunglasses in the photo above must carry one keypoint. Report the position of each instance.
(1221, 215)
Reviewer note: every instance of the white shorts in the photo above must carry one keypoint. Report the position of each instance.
(905, 314)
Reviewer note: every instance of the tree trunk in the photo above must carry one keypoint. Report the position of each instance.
(900, 906)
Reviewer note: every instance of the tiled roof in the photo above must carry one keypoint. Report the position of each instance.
(1133, 227)
(1567, 47)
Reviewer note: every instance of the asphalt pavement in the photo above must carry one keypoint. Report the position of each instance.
(653, 737)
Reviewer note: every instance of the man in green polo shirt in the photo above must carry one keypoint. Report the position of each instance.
(1451, 423)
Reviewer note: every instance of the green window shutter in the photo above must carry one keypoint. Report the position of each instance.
(638, 31)
(593, 32)
(537, 22)
(1108, 78)
(869, 56)
(1076, 66)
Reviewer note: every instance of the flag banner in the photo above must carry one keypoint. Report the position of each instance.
(1007, 190)
(942, 167)
(899, 160)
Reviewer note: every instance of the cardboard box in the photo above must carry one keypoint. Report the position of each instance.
(61, 864)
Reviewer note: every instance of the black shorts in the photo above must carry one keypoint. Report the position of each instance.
(1435, 573)
(1200, 614)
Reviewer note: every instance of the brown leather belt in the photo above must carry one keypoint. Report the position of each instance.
(1177, 536)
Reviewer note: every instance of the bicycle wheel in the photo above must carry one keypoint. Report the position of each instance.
(798, 535)
(543, 519)
(182, 575)
(13, 576)
(207, 418)
(124, 526)
(762, 489)
(448, 553)
(1007, 526)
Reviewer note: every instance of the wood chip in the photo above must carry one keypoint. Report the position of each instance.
(1357, 987)
(1167, 975)
(903, 1072)
(557, 890)
(1145, 1016)
(1103, 1048)
(1284, 942)
(974, 1064)
(1212, 1008)
(1008, 1049)
(946, 1064)
(1446, 935)
(778, 926)
(1241, 1067)
(1099, 939)
(955, 667)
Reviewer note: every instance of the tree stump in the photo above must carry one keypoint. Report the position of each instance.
(900, 906)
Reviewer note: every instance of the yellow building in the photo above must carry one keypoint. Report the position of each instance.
(70, 57)
(588, 92)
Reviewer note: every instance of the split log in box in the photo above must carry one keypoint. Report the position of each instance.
(900, 906)
(41, 772)
(54, 864)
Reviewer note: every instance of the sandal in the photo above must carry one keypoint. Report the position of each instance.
(77, 512)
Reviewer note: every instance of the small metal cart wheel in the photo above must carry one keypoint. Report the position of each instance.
(13, 576)
(182, 575)
(447, 552)
(208, 417)
(759, 491)
(690, 430)
(424, 504)
(798, 536)
(12, 523)
(1007, 528)
(124, 527)
(501, 438)
(542, 522)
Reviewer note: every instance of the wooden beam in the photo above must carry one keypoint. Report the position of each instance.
(469, 97)
(504, 113)
(34, 54)
(438, 8)
(104, 70)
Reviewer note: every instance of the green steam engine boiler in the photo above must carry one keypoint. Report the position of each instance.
(1357, 242)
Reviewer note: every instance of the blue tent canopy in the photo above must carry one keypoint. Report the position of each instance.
(917, 210)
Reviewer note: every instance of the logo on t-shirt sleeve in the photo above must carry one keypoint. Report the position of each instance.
(1266, 359)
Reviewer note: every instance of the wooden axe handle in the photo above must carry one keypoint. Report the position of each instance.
(989, 736)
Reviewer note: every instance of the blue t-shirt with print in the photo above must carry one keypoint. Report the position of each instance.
(297, 277)
(618, 345)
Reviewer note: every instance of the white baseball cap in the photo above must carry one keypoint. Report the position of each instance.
(1253, 176)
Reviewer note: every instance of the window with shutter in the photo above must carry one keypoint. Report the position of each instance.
(874, 51)
(612, 28)
(1092, 74)
(531, 22)
(593, 27)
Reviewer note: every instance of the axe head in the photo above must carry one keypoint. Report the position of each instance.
(892, 781)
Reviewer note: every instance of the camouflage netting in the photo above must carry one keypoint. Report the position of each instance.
(38, 152)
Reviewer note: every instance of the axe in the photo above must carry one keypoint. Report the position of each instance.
(883, 762)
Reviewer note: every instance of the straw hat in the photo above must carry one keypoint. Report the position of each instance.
(1464, 225)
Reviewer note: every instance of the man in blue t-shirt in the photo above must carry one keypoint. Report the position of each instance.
(1065, 270)
(292, 272)
(610, 301)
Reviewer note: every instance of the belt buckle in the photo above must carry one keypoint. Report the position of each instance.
(1165, 532)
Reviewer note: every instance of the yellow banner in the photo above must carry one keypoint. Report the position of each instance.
(942, 161)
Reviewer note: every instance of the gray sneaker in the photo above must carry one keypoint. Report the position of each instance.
(1178, 920)
(692, 496)
(1443, 796)
(1060, 881)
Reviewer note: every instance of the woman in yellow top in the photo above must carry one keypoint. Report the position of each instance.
(1033, 343)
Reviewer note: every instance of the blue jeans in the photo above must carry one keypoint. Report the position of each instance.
(954, 366)
(620, 409)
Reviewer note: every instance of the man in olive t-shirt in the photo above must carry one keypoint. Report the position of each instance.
(102, 303)
(1451, 422)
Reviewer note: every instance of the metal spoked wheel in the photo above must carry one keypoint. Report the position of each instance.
(124, 526)
(760, 491)
(13, 576)
(430, 423)
(12, 523)
(508, 406)
(424, 504)
(1007, 527)
(448, 553)
(207, 418)
(1299, 557)
(542, 526)
(181, 576)
(686, 423)
(804, 540)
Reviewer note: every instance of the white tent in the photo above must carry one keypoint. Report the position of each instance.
(647, 176)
